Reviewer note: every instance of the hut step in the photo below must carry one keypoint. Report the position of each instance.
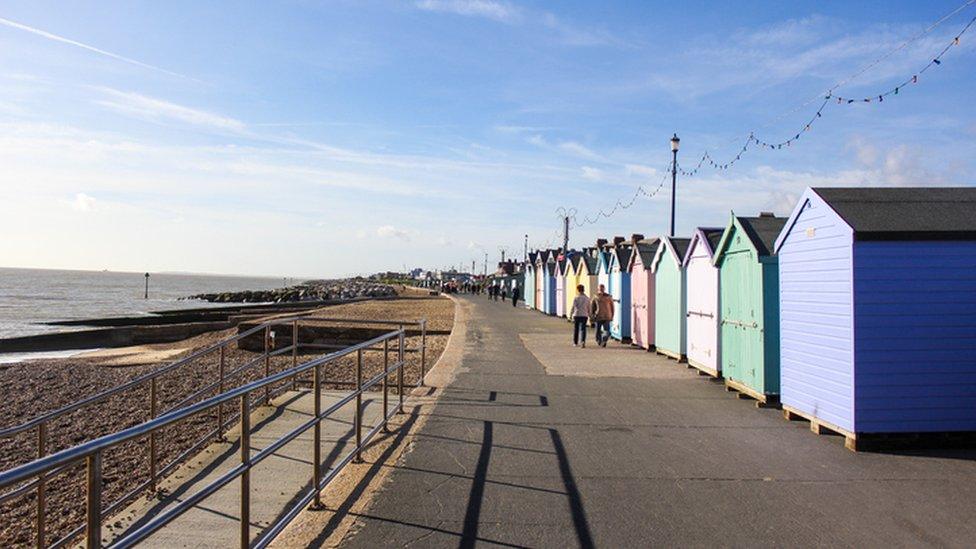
(744, 392)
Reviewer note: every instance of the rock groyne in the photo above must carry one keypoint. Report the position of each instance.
(312, 290)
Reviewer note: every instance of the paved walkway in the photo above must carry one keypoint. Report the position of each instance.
(536, 443)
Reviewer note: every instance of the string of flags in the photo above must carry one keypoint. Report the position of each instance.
(830, 98)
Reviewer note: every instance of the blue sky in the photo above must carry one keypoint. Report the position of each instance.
(331, 138)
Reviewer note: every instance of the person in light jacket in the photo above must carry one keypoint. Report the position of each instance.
(581, 316)
(601, 310)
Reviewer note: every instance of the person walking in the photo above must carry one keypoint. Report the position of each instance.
(515, 295)
(601, 310)
(581, 316)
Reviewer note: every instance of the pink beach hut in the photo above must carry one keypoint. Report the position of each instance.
(642, 293)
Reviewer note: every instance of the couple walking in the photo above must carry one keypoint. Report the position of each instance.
(599, 309)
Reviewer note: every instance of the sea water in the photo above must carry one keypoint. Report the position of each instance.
(30, 297)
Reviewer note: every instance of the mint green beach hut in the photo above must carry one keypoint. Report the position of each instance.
(670, 303)
(749, 294)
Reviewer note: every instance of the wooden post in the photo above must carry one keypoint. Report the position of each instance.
(359, 406)
(41, 484)
(152, 436)
(93, 515)
(245, 440)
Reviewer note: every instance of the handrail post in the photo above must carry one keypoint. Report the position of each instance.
(41, 484)
(152, 436)
(294, 353)
(93, 521)
(423, 351)
(359, 406)
(386, 389)
(400, 343)
(267, 364)
(400, 370)
(245, 441)
(317, 439)
(220, 390)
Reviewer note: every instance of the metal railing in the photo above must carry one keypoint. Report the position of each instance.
(40, 471)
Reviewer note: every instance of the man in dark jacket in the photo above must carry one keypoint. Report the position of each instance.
(601, 311)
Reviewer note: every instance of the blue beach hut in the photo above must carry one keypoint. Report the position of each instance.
(620, 290)
(878, 308)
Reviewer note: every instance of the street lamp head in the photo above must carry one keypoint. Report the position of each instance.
(674, 143)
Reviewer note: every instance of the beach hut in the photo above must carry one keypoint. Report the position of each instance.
(670, 306)
(549, 286)
(541, 261)
(528, 290)
(603, 268)
(572, 280)
(587, 270)
(620, 290)
(704, 311)
(642, 292)
(562, 264)
(878, 310)
(749, 294)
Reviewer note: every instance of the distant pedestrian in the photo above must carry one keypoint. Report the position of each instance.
(601, 310)
(515, 296)
(504, 293)
(581, 316)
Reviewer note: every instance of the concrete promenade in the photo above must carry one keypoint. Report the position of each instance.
(537, 443)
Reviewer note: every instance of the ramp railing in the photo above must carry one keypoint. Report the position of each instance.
(34, 477)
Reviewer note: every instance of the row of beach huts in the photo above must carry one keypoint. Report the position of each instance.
(857, 312)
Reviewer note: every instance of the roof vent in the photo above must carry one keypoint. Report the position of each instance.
(601, 242)
(636, 237)
(766, 214)
(617, 240)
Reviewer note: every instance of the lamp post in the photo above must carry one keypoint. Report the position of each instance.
(674, 175)
(146, 296)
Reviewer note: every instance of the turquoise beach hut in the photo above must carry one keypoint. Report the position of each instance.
(620, 290)
(670, 300)
(749, 296)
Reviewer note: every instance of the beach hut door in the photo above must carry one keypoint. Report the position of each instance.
(741, 323)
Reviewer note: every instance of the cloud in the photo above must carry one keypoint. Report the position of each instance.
(389, 231)
(591, 173)
(158, 110)
(576, 149)
(82, 203)
(63, 40)
(488, 9)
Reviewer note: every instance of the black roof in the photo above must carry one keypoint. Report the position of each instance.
(680, 246)
(713, 235)
(646, 249)
(762, 231)
(532, 256)
(623, 256)
(592, 262)
(909, 213)
(575, 261)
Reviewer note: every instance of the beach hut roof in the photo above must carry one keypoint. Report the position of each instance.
(532, 257)
(561, 269)
(574, 261)
(905, 213)
(591, 261)
(622, 255)
(708, 237)
(677, 245)
(762, 231)
(644, 251)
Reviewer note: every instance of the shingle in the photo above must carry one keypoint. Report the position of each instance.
(905, 212)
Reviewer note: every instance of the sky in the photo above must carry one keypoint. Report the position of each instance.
(326, 139)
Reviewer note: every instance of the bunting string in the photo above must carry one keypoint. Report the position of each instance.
(828, 98)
